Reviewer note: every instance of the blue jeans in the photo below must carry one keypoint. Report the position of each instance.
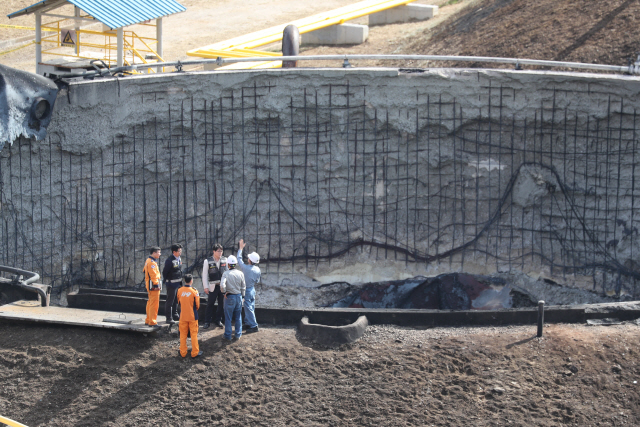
(233, 309)
(250, 307)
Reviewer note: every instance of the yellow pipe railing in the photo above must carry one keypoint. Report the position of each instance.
(108, 47)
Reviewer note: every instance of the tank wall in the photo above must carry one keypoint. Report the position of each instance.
(333, 175)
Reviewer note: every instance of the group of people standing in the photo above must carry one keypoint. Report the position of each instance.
(228, 281)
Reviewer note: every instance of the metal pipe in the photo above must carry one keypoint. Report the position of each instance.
(76, 27)
(540, 317)
(43, 291)
(160, 46)
(33, 277)
(38, 42)
(631, 69)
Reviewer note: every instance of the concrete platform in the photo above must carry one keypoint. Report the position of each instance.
(31, 311)
(338, 35)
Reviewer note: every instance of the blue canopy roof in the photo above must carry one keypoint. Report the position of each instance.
(112, 13)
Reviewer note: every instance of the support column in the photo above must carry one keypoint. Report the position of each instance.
(159, 50)
(38, 42)
(159, 38)
(120, 33)
(76, 13)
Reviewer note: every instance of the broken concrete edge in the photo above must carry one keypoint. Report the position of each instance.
(332, 336)
(378, 316)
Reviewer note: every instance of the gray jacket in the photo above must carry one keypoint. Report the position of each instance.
(232, 282)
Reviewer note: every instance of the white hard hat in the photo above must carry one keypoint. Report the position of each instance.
(254, 257)
(231, 260)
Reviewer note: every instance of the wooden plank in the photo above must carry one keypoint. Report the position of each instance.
(31, 311)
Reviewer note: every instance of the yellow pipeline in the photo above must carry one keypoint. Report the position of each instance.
(271, 35)
(16, 48)
(18, 27)
(10, 423)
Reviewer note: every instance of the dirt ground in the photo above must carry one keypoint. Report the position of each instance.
(393, 376)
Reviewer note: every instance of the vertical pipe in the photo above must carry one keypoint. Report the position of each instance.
(159, 46)
(38, 42)
(540, 317)
(76, 26)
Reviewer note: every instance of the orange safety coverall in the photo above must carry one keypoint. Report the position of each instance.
(152, 274)
(189, 301)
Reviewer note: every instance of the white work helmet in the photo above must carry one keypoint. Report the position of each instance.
(231, 260)
(254, 257)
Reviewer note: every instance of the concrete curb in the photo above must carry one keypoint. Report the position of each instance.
(332, 336)
(135, 302)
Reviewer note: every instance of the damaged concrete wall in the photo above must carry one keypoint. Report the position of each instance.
(333, 176)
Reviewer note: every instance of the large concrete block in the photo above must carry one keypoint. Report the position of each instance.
(410, 12)
(338, 34)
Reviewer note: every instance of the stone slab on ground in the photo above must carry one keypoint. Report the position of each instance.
(407, 13)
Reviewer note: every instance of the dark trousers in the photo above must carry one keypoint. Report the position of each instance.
(216, 294)
(171, 305)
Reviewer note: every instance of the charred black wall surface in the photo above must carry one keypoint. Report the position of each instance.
(333, 175)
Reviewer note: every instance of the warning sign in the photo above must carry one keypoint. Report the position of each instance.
(68, 38)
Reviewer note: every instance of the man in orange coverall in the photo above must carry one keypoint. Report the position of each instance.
(189, 301)
(153, 284)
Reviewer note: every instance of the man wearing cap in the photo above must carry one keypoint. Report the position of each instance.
(212, 270)
(233, 287)
(172, 273)
(189, 301)
(251, 273)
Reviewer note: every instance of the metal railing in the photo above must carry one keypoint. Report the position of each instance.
(516, 62)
